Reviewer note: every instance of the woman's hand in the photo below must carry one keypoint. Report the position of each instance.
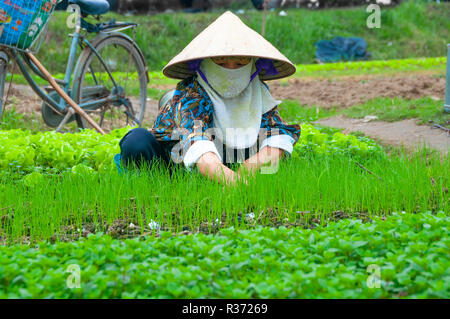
(266, 155)
(211, 166)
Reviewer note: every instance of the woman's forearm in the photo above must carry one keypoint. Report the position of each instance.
(211, 166)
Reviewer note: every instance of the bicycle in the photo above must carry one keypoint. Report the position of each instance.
(447, 85)
(109, 79)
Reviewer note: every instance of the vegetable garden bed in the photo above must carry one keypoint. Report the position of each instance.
(306, 191)
(403, 256)
(62, 203)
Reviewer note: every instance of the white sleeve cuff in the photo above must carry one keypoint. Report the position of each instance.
(284, 142)
(196, 150)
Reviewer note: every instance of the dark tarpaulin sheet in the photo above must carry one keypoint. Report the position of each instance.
(342, 49)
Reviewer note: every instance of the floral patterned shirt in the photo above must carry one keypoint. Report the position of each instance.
(187, 120)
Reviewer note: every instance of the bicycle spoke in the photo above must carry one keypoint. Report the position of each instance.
(124, 63)
(101, 119)
(93, 75)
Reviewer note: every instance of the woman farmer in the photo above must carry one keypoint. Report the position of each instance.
(221, 112)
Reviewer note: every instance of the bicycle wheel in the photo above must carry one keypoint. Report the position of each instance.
(4, 60)
(124, 94)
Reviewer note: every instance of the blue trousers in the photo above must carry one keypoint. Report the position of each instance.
(139, 146)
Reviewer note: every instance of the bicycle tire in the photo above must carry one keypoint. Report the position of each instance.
(4, 60)
(85, 61)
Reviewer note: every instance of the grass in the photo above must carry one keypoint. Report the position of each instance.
(292, 112)
(14, 120)
(303, 192)
(413, 29)
(401, 256)
(380, 67)
(425, 110)
(397, 109)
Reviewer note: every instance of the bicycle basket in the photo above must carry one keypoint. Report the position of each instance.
(22, 21)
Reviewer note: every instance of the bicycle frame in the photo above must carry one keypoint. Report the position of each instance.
(61, 107)
(447, 86)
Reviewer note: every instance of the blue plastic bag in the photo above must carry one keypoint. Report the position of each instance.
(117, 161)
(342, 49)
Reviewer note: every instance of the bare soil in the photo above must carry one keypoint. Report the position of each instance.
(129, 227)
(350, 91)
(24, 99)
(27, 102)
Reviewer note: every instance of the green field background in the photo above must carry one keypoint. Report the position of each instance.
(412, 29)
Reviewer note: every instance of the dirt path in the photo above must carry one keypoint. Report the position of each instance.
(23, 98)
(405, 132)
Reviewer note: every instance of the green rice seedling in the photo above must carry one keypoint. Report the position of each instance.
(305, 191)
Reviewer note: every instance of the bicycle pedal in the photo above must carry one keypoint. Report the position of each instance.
(49, 89)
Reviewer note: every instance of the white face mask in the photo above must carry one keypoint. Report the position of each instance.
(228, 83)
(238, 104)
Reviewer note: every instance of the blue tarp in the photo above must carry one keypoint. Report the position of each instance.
(342, 49)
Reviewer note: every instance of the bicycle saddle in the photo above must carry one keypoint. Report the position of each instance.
(94, 7)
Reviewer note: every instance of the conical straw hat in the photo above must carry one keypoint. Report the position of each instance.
(229, 36)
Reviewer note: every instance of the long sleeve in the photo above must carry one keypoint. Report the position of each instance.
(187, 118)
(195, 140)
(279, 134)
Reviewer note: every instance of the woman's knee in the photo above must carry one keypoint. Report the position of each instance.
(140, 145)
(137, 140)
(137, 144)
